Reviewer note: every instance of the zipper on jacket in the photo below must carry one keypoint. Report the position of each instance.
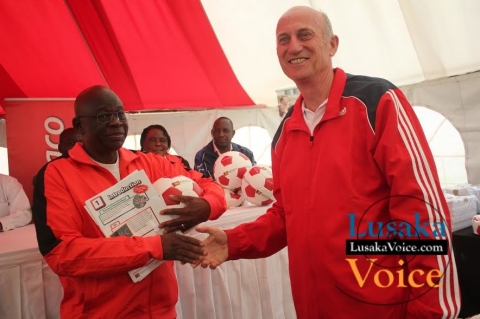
(311, 141)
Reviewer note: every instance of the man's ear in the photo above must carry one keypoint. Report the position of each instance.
(233, 133)
(333, 45)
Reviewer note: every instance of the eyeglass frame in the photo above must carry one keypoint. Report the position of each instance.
(117, 114)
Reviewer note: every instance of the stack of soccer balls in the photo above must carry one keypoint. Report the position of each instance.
(240, 180)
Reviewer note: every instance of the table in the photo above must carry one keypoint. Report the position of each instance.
(466, 247)
(30, 290)
(240, 289)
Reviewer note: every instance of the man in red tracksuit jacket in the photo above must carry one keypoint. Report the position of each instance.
(93, 269)
(350, 162)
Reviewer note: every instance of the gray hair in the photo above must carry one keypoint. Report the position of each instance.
(328, 32)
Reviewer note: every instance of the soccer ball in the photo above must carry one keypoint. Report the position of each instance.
(476, 224)
(229, 169)
(234, 199)
(257, 185)
(176, 185)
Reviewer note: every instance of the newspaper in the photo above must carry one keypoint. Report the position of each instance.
(130, 208)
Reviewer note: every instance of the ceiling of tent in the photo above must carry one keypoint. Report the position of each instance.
(405, 41)
(162, 54)
(156, 54)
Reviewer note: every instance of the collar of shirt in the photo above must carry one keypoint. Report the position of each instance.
(215, 149)
(313, 118)
(113, 168)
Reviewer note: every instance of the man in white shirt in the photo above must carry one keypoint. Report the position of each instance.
(15, 208)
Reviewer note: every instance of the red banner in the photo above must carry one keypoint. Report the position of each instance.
(33, 130)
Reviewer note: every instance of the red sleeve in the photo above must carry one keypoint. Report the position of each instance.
(77, 255)
(264, 236)
(403, 155)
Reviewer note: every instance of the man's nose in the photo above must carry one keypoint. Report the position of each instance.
(294, 46)
(115, 120)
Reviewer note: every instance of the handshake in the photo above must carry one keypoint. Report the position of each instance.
(211, 252)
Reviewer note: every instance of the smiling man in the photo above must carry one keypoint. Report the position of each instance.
(222, 134)
(350, 150)
(93, 269)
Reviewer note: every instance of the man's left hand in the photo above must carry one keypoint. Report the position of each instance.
(196, 211)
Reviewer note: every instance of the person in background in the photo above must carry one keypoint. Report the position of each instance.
(94, 269)
(350, 162)
(68, 138)
(155, 139)
(15, 209)
(284, 106)
(222, 134)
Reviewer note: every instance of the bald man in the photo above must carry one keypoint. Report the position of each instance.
(350, 162)
(68, 138)
(93, 269)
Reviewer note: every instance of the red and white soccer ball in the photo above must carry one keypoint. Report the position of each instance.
(176, 185)
(234, 199)
(257, 185)
(229, 169)
(476, 224)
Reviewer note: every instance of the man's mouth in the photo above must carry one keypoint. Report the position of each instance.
(297, 60)
(116, 134)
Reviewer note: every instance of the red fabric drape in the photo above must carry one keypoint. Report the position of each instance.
(8, 85)
(100, 38)
(201, 38)
(159, 54)
(42, 52)
(156, 54)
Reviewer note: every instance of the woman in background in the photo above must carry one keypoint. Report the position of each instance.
(155, 139)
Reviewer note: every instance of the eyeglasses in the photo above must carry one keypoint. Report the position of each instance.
(107, 116)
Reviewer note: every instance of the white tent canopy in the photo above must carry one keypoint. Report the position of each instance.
(404, 41)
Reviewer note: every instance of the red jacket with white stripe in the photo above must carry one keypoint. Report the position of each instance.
(93, 269)
(366, 170)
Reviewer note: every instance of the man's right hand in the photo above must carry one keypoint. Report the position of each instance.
(216, 247)
(183, 248)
